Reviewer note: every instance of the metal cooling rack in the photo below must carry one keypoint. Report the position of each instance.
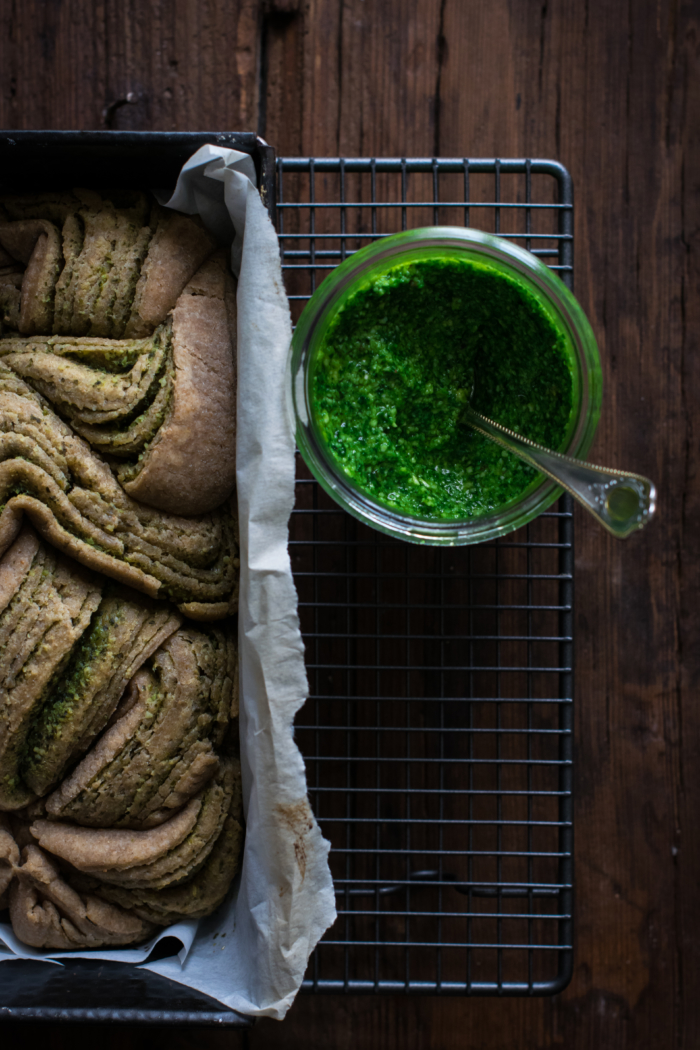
(437, 736)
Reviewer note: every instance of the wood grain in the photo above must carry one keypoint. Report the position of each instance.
(186, 65)
(613, 91)
(608, 91)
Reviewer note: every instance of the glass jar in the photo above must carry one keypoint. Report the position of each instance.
(503, 257)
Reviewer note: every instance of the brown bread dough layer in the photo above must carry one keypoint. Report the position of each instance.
(37, 244)
(76, 504)
(47, 913)
(168, 399)
(125, 631)
(50, 609)
(109, 850)
(114, 393)
(115, 269)
(195, 899)
(161, 748)
(10, 297)
(162, 856)
(55, 206)
(179, 247)
(189, 856)
(81, 306)
(72, 237)
(190, 466)
(9, 859)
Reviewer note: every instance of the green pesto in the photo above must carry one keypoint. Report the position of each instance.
(117, 358)
(67, 693)
(399, 363)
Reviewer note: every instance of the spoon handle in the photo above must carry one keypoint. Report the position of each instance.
(620, 501)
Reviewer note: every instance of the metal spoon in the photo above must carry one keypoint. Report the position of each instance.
(620, 501)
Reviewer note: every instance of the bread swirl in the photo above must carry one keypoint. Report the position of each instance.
(118, 727)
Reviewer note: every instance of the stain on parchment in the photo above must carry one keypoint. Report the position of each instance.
(298, 818)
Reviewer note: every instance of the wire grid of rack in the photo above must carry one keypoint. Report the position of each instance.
(438, 732)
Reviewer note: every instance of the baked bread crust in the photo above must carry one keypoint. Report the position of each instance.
(179, 247)
(37, 244)
(47, 913)
(190, 466)
(117, 447)
(50, 609)
(74, 501)
(161, 748)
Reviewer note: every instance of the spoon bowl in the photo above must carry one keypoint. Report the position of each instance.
(621, 501)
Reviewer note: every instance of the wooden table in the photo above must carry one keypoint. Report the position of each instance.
(610, 89)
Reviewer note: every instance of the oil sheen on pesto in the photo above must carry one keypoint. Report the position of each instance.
(399, 363)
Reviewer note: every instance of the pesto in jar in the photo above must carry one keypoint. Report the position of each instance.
(404, 355)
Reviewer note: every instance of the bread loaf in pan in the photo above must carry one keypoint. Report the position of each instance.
(119, 563)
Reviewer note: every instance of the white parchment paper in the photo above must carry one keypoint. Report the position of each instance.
(251, 955)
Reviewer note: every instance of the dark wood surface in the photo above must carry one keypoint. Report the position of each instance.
(611, 89)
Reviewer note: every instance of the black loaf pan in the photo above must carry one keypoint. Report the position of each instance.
(82, 990)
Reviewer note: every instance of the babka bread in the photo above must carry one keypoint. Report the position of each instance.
(120, 785)
(70, 887)
(170, 853)
(136, 312)
(194, 899)
(48, 913)
(69, 645)
(48, 605)
(160, 408)
(162, 747)
(74, 500)
(110, 266)
(114, 393)
(155, 805)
